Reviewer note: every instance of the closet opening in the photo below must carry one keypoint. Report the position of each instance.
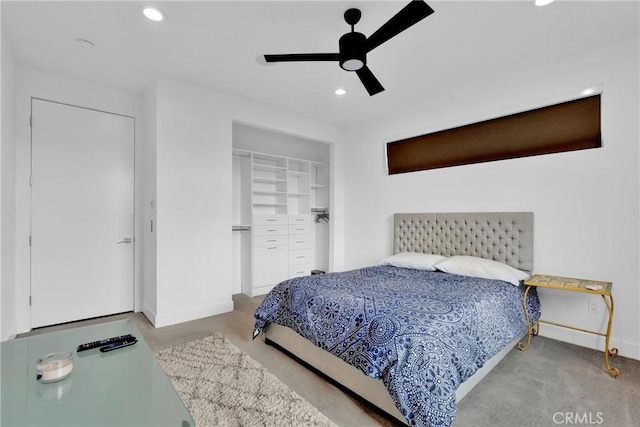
(281, 212)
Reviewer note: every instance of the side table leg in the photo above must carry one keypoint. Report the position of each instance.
(530, 330)
(614, 372)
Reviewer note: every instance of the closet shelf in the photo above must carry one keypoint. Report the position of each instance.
(269, 193)
(283, 185)
(270, 204)
(297, 173)
(268, 180)
(268, 168)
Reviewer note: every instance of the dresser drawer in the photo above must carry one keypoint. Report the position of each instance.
(299, 241)
(299, 257)
(300, 270)
(270, 220)
(278, 241)
(299, 229)
(299, 219)
(270, 230)
(269, 266)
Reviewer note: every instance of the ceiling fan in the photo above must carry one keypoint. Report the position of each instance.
(354, 46)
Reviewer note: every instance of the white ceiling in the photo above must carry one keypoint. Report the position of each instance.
(216, 44)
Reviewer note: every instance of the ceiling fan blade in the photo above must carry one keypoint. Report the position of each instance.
(295, 57)
(411, 14)
(369, 81)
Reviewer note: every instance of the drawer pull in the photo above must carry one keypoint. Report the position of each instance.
(300, 256)
(299, 241)
(271, 220)
(299, 229)
(272, 240)
(271, 231)
(273, 247)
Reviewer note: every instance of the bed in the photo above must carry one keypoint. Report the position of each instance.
(425, 325)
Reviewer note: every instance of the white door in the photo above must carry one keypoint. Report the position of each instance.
(82, 198)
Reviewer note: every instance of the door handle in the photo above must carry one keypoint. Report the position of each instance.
(126, 240)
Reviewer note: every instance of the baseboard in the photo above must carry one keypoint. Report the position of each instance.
(149, 313)
(625, 348)
(13, 332)
(181, 316)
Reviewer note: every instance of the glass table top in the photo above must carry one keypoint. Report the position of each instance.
(123, 387)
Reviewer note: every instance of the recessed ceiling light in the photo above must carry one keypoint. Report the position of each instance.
(153, 14)
(340, 92)
(543, 2)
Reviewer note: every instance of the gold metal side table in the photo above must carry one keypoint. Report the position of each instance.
(573, 285)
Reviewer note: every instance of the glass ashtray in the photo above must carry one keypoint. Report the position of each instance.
(54, 367)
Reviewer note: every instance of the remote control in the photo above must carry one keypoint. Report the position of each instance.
(96, 344)
(120, 344)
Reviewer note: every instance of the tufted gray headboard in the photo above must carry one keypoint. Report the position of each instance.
(506, 237)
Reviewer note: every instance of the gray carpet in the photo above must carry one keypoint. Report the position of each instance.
(553, 383)
(526, 389)
(223, 386)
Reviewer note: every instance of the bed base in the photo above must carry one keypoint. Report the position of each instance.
(352, 380)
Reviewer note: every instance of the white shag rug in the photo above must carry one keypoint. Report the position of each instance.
(223, 386)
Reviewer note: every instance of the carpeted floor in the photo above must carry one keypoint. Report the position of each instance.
(223, 386)
(551, 383)
(554, 383)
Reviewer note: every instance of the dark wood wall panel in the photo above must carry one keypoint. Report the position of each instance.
(573, 125)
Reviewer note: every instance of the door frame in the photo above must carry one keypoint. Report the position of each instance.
(135, 288)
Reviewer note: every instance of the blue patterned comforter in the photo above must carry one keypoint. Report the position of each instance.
(422, 333)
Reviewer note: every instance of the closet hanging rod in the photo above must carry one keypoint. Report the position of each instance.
(247, 155)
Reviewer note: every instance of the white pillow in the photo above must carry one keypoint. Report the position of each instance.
(413, 260)
(480, 267)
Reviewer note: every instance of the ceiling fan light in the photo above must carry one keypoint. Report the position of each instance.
(352, 65)
(352, 51)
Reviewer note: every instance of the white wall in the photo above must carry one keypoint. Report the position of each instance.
(264, 141)
(148, 203)
(183, 164)
(31, 82)
(585, 203)
(9, 326)
(193, 227)
(193, 144)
